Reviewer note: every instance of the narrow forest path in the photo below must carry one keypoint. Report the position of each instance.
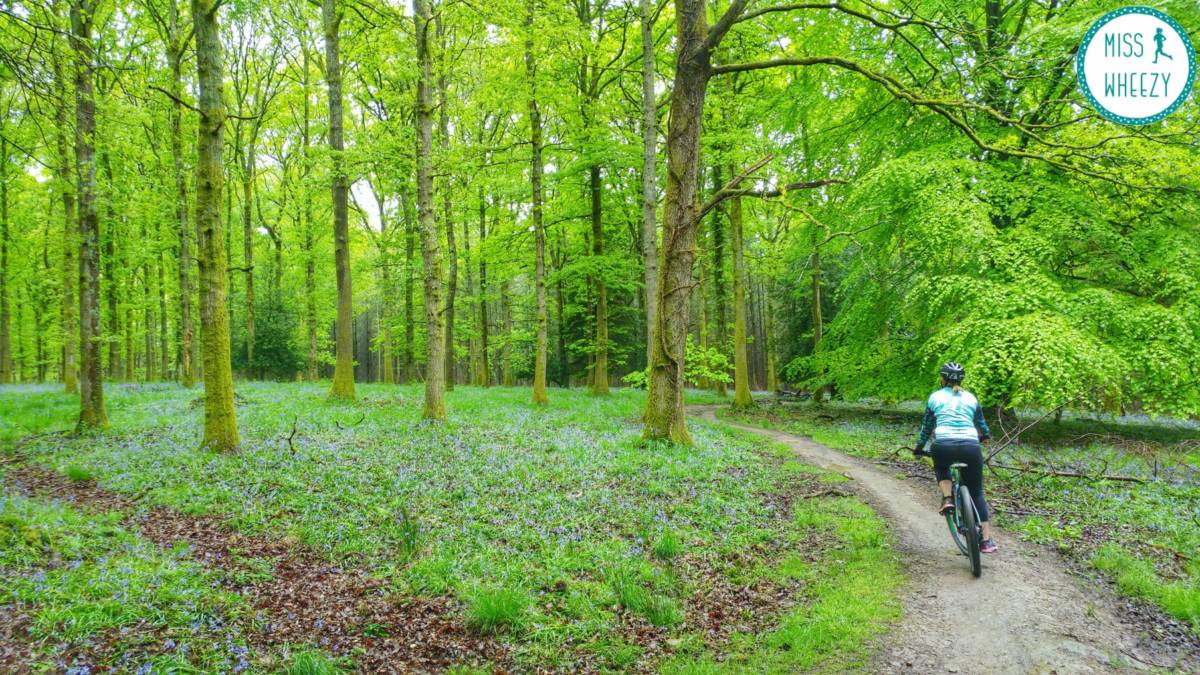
(1026, 614)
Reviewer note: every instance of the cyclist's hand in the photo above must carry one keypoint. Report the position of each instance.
(919, 452)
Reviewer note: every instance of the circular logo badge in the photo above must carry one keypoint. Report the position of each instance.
(1136, 65)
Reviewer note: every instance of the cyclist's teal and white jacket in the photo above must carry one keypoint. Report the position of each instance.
(951, 415)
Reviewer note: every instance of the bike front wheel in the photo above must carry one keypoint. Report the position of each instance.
(970, 521)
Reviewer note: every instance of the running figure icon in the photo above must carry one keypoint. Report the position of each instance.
(1159, 39)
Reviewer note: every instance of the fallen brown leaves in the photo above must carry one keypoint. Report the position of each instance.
(306, 600)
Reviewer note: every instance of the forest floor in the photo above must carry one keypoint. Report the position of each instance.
(1037, 607)
(350, 535)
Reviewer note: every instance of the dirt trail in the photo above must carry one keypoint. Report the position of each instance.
(1025, 615)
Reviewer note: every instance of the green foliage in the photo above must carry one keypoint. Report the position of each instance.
(1137, 578)
(491, 609)
(311, 662)
(277, 355)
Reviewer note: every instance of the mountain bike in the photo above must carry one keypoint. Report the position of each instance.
(963, 519)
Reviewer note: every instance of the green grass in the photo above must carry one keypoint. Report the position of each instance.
(555, 527)
(311, 662)
(1142, 536)
(79, 576)
(840, 612)
(493, 609)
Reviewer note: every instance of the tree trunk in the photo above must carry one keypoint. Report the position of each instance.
(818, 319)
(600, 368)
(6, 366)
(435, 362)
(343, 371)
(447, 214)
(769, 329)
(309, 246)
(248, 249)
(91, 403)
(109, 265)
(539, 234)
(220, 422)
(649, 175)
(718, 275)
(741, 361)
(175, 48)
(70, 270)
(164, 367)
(410, 325)
(482, 378)
(664, 416)
(506, 371)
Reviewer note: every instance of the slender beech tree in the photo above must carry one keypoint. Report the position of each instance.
(220, 422)
(741, 360)
(649, 174)
(6, 370)
(435, 361)
(343, 370)
(70, 270)
(539, 234)
(91, 402)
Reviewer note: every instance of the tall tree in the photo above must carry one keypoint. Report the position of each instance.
(220, 421)
(435, 361)
(91, 402)
(343, 371)
(741, 359)
(539, 235)
(70, 270)
(6, 370)
(649, 175)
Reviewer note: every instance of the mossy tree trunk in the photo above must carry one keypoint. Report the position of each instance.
(91, 403)
(435, 362)
(343, 370)
(600, 365)
(664, 417)
(535, 136)
(741, 361)
(447, 211)
(220, 422)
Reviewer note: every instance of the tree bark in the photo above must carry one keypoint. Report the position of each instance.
(447, 213)
(649, 174)
(410, 324)
(6, 366)
(506, 351)
(600, 365)
(664, 416)
(175, 47)
(535, 136)
(741, 361)
(343, 371)
(220, 422)
(483, 378)
(109, 265)
(718, 275)
(91, 402)
(248, 247)
(306, 225)
(818, 319)
(435, 362)
(70, 270)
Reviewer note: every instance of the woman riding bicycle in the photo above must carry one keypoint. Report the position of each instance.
(954, 417)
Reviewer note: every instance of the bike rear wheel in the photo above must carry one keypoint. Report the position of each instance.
(970, 521)
(956, 531)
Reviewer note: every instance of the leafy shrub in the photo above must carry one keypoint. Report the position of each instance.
(702, 365)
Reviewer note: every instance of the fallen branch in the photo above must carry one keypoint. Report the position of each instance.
(1068, 474)
(293, 435)
(343, 428)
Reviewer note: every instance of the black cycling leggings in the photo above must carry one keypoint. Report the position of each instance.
(968, 452)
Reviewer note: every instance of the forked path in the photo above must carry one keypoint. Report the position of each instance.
(1024, 615)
